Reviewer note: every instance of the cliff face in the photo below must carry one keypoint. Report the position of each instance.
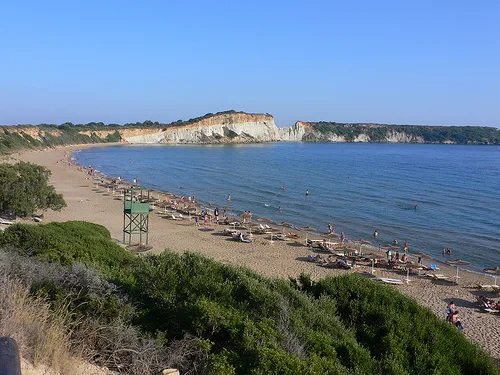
(32, 131)
(238, 127)
(225, 128)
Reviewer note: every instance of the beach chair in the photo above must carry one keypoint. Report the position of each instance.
(484, 286)
(391, 281)
(173, 217)
(281, 237)
(6, 222)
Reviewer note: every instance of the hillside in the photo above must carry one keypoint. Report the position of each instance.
(237, 127)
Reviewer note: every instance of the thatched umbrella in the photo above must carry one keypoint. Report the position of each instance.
(264, 220)
(422, 255)
(372, 257)
(493, 271)
(307, 229)
(457, 263)
(329, 235)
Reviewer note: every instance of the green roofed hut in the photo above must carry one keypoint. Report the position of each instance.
(136, 214)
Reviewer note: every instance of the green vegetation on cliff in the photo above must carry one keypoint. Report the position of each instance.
(14, 138)
(141, 314)
(414, 133)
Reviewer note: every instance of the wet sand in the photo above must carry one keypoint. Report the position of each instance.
(88, 201)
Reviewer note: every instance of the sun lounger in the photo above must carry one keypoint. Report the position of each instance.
(391, 281)
(230, 232)
(245, 239)
(492, 310)
(6, 222)
(281, 237)
(484, 286)
(439, 276)
(173, 217)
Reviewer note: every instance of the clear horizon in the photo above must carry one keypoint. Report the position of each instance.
(421, 63)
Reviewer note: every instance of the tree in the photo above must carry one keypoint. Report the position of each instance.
(24, 189)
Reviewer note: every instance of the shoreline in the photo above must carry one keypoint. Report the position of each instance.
(281, 259)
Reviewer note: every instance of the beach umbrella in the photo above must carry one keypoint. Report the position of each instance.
(372, 257)
(493, 271)
(307, 229)
(264, 220)
(329, 235)
(457, 263)
(422, 255)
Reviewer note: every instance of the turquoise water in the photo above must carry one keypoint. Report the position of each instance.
(359, 188)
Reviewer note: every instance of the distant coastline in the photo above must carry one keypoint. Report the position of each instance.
(233, 127)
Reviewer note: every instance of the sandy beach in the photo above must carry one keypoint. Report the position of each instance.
(88, 201)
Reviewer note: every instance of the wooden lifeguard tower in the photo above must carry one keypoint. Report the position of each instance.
(135, 214)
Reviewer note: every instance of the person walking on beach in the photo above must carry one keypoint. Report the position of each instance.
(406, 246)
(330, 228)
(342, 238)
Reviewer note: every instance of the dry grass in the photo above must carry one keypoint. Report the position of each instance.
(40, 333)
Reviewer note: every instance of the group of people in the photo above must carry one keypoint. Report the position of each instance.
(452, 316)
(247, 216)
(488, 303)
(396, 257)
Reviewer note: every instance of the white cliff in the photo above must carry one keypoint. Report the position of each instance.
(225, 128)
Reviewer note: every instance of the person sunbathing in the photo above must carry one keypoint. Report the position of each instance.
(245, 238)
(314, 258)
(455, 320)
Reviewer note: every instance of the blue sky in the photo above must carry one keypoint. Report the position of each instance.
(405, 62)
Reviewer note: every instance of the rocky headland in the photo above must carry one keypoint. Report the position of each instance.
(233, 127)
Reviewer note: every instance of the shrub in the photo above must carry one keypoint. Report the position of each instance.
(24, 189)
(70, 242)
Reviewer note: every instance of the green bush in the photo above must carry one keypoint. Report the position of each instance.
(241, 322)
(24, 189)
(70, 242)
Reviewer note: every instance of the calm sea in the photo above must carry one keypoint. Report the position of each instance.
(359, 188)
